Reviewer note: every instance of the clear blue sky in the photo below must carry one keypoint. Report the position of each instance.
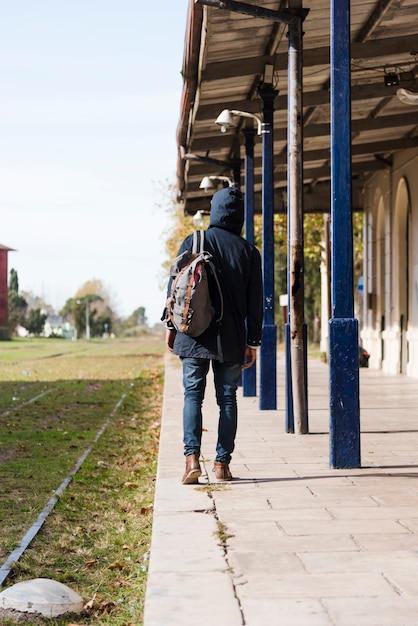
(89, 105)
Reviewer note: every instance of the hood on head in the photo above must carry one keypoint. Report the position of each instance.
(227, 210)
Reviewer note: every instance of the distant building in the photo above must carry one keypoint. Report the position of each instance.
(4, 292)
(56, 326)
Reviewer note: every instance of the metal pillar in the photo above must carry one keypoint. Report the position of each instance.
(296, 340)
(268, 366)
(249, 376)
(343, 328)
(87, 319)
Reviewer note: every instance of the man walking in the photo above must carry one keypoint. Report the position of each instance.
(229, 346)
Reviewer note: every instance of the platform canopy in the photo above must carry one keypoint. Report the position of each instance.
(226, 54)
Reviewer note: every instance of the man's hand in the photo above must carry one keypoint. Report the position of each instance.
(170, 335)
(250, 356)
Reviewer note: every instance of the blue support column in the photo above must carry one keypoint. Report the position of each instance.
(343, 328)
(268, 366)
(249, 376)
(344, 425)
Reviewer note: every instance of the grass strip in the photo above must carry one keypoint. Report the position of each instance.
(97, 538)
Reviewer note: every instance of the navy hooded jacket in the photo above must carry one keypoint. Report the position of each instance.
(238, 266)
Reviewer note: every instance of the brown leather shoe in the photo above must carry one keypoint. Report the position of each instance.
(222, 471)
(193, 470)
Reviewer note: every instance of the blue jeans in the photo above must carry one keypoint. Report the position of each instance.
(226, 378)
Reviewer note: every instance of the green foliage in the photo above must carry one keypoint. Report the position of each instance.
(35, 322)
(17, 305)
(79, 309)
(358, 220)
(137, 318)
(142, 318)
(14, 281)
(100, 324)
(313, 248)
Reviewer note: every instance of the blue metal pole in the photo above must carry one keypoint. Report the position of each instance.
(249, 376)
(268, 366)
(343, 328)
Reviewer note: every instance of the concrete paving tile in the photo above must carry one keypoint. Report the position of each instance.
(248, 537)
(350, 491)
(172, 496)
(374, 611)
(255, 531)
(255, 471)
(284, 612)
(382, 541)
(352, 526)
(322, 562)
(323, 480)
(310, 469)
(411, 523)
(284, 585)
(243, 457)
(261, 561)
(400, 513)
(186, 562)
(280, 501)
(399, 469)
(404, 581)
(375, 482)
(181, 598)
(276, 515)
(278, 488)
(395, 499)
(186, 533)
(237, 499)
(322, 460)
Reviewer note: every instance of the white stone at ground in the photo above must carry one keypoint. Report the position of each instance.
(41, 595)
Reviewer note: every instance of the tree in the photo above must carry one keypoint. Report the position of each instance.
(100, 324)
(137, 318)
(78, 309)
(35, 322)
(17, 304)
(97, 287)
(14, 281)
(101, 318)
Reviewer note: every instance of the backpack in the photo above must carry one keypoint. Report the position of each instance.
(189, 306)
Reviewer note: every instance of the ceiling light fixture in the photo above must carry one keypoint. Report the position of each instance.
(208, 183)
(407, 97)
(226, 119)
(198, 219)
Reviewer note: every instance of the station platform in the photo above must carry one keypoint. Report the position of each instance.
(290, 541)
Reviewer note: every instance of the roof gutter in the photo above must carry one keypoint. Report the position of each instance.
(190, 73)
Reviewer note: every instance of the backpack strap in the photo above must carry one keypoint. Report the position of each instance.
(198, 241)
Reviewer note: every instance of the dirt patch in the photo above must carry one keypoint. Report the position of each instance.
(35, 619)
(7, 454)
